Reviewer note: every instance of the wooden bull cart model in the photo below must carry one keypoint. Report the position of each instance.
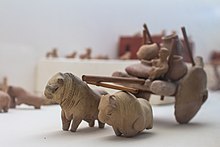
(170, 77)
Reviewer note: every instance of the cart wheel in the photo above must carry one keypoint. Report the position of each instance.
(191, 94)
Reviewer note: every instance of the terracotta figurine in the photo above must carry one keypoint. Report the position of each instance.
(52, 53)
(127, 54)
(127, 114)
(149, 49)
(215, 62)
(78, 102)
(159, 66)
(87, 54)
(72, 55)
(4, 101)
(21, 96)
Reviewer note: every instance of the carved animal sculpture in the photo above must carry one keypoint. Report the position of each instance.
(78, 102)
(20, 96)
(53, 53)
(4, 101)
(127, 114)
(72, 55)
(87, 54)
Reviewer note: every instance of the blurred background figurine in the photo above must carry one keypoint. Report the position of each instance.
(71, 55)
(87, 54)
(127, 54)
(53, 53)
(215, 62)
(21, 96)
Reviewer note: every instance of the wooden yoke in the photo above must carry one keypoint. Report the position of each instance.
(100, 81)
(112, 79)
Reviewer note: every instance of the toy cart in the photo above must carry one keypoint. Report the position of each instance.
(190, 92)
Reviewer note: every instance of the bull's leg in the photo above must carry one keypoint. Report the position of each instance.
(117, 132)
(75, 123)
(101, 125)
(65, 121)
(91, 123)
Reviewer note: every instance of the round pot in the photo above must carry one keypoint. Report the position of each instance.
(177, 69)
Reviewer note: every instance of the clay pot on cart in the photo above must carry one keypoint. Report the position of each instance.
(177, 69)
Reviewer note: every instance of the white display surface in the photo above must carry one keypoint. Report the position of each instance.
(28, 127)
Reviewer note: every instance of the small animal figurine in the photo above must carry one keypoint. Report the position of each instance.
(127, 114)
(78, 102)
(72, 55)
(127, 54)
(52, 53)
(4, 101)
(20, 96)
(87, 54)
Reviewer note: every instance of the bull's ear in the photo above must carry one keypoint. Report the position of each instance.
(60, 81)
(60, 73)
(112, 101)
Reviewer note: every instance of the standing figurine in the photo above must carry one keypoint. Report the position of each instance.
(78, 102)
(159, 66)
(127, 114)
(71, 55)
(127, 54)
(53, 53)
(87, 54)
